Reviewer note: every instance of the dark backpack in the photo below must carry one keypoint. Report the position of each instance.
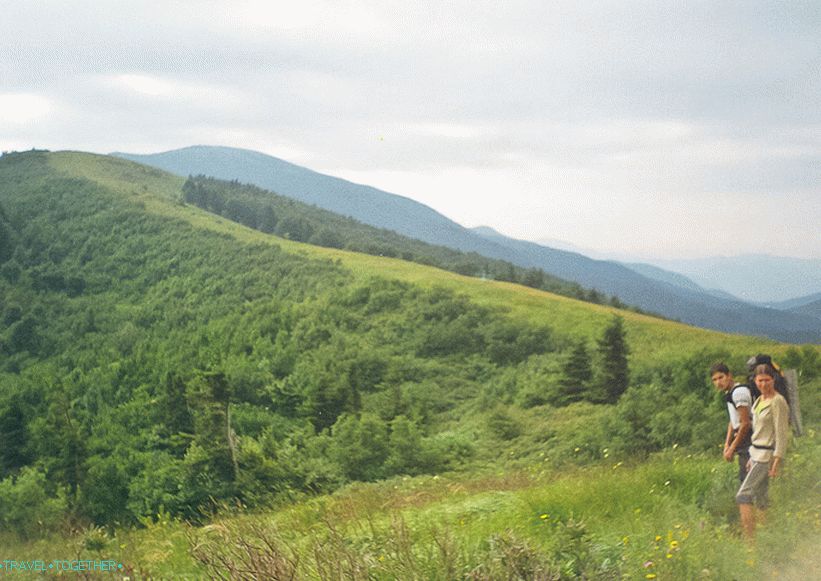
(728, 397)
(780, 381)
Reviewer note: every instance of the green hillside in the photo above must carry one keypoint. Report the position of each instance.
(119, 176)
(160, 360)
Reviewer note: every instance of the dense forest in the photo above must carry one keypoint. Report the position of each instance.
(147, 365)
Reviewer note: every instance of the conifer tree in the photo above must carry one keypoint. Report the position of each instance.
(576, 377)
(14, 453)
(209, 395)
(613, 351)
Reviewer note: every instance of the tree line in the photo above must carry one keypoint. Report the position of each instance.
(268, 212)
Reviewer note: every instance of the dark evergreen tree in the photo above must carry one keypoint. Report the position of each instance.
(6, 242)
(209, 396)
(14, 453)
(576, 376)
(613, 351)
(177, 417)
(267, 220)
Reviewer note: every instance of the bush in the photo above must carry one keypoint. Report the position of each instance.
(26, 507)
(360, 445)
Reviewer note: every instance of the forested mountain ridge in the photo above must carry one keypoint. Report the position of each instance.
(287, 218)
(157, 357)
(400, 214)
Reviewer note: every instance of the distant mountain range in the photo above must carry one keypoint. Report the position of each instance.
(645, 287)
(808, 306)
(755, 278)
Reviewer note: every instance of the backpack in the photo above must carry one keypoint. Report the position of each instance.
(728, 398)
(780, 381)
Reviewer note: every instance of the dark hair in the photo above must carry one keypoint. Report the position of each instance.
(760, 359)
(719, 367)
(764, 369)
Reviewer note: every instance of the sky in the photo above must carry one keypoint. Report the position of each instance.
(645, 129)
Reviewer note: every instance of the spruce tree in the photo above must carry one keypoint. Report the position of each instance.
(613, 351)
(576, 376)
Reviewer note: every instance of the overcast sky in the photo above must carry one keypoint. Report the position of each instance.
(656, 129)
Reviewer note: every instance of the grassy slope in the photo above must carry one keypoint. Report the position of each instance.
(650, 338)
(441, 527)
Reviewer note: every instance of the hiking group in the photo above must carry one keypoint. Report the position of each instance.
(757, 433)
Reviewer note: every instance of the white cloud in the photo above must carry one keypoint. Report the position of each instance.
(174, 89)
(148, 85)
(330, 18)
(23, 108)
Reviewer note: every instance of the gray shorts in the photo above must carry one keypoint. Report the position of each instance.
(755, 486)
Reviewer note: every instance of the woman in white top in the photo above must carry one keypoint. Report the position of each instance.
(769, 445)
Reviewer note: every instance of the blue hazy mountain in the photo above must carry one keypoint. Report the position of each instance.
(795, 303)
(405, 216)
(809, 305)
(755, 278)
(676, 279)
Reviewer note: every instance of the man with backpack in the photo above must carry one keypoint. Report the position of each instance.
(739, 400)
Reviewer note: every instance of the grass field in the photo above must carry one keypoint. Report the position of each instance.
(672, 517)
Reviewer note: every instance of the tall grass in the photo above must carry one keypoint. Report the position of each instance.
(672, 517)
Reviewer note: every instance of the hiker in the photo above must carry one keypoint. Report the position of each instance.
(739, 399)
(767, 450)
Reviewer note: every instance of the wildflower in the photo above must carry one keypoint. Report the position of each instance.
(544, 516)
(669, 555)
(625, 540)
(658, 538)
(673, 544)
(650, 576)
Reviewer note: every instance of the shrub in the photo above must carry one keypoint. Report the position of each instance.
(26, 507)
